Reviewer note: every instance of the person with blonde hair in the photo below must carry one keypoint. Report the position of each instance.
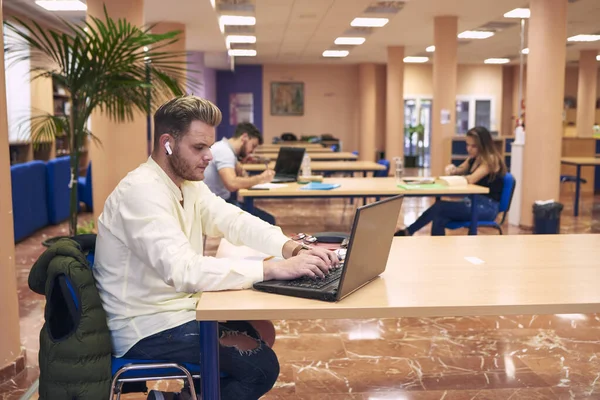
(149, 263)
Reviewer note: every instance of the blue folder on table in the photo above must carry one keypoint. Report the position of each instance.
(320, 186)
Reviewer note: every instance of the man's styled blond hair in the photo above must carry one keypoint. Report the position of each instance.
(176, 115)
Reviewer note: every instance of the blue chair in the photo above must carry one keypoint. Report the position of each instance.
(84, 188)
(505, 199)
(58, 176)
(384, 173)
(126, 370)
(29, 190)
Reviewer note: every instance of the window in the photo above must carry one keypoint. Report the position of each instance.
(474, 111)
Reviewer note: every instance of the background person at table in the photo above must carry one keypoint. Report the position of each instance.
(149, 256)
(485, 167)
(224, 175)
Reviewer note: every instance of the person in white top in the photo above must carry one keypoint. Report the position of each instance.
(149, 263)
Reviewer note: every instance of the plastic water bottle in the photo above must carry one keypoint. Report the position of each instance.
(306, 165)
(399, 169)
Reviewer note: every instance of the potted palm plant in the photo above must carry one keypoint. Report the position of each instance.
(107, 66)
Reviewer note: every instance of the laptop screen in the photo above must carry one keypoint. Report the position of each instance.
(289, 161)
(370, 243)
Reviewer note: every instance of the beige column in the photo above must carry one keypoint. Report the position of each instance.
(177, 47)
(586, 93)
(544, 104)
(10, 342)
(368, 111)
(123, 146)
(394, 127)
(445, 31)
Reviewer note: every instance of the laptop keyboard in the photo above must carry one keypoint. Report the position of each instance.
(318, 283)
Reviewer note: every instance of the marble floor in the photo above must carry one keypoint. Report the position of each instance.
(495, 358)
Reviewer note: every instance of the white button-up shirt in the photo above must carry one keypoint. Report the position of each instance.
(149, 259)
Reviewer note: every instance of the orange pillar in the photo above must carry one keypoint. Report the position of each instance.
(11, 358)
(444, 91)
(368, 110)
(586, 93)
(123, 146)
(394, 128)
(177, 47)
(544, 104)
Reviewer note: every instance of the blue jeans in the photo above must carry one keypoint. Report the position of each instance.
(250, 374)
(443, 212)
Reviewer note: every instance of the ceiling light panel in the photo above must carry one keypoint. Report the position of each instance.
(242, 52)
(349, 41)
(335, 53)
(370, 22)
(584, 38)
(518, 13)
(62, 5)
(237, 20)
(497, 61)
(475, 35)
(417, 60)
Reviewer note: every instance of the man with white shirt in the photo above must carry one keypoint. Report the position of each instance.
(149, 259)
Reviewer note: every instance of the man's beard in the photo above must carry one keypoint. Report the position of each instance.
(181, 167)
(243, 152)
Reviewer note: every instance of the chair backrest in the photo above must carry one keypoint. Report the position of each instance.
(508, 191)
(288, 137)
(384, 173)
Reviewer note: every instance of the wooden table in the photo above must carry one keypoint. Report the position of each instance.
(362, 188)
(318, 156)
(328, 167)
(579, 162)
(432, 277)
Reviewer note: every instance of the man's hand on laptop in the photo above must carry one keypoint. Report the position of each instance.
(314, 263)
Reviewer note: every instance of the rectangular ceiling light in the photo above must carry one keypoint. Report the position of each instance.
(518, 13)
(370, 22)
(62, 5)
(584, 38)
(597, 58)
(475, 35)
(350, 40)
(242, 53)
(236, 20)
(335, 53)
(416, 59)
(497, 61)
(240, 39)
(525, 51)
(430, 49)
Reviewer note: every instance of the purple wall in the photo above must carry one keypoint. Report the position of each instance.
(245, 79)
(204, 78)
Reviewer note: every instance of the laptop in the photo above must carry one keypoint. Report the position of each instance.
(287, 166)
(366, 256)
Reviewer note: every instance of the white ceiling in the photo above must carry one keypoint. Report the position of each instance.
(298, 31)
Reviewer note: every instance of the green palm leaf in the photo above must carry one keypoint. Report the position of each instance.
(106, 65)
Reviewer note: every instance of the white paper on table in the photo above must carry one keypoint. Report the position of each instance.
(268, 186)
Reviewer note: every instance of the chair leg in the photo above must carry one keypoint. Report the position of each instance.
(120, 389)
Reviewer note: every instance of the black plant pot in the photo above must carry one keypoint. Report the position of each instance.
(410, 161)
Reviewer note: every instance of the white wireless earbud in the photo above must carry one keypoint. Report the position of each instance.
(168, 148)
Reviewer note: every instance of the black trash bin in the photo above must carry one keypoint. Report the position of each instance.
(546, 218)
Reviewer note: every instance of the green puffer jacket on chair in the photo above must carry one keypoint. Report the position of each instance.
(75, 345)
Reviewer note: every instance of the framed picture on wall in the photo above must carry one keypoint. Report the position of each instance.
(287, 98)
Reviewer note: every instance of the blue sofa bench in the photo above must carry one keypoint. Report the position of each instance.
(29, 198)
